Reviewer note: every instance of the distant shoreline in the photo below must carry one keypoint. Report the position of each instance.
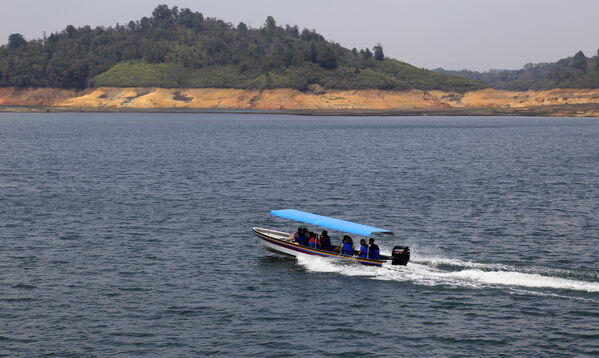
(574, 110)
(487, 102)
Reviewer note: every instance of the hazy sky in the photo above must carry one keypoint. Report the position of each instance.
(454, 34)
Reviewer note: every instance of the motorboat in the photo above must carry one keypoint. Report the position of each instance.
(283, 242)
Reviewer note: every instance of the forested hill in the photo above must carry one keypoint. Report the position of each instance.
(182, 48)
(577, 71)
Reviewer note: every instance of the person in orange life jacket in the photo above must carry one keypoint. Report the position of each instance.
(314, 242)
(373, 250)
(348, 246)
(325, 241)
(363, 249)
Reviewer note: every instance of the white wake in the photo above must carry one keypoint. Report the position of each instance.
(456, 273)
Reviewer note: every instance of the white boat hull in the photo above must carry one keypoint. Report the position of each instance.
(276, 241)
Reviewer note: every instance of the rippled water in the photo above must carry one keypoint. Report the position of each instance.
(129, 235)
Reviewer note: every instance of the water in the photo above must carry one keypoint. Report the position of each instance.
(129, 235)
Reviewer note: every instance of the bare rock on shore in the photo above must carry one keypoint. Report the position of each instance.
(276, 99)
(11, 96)
(558, 102)
(491, 98)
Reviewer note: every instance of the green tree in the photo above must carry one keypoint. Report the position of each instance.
(579, 61)
(15, 41)
(378, 52)
(270, 23)
(132, 26)
(190, 19)
(310, 35)
(289, 54)
(242, 27)
(326, 57)
(161, 13)
(312, 53)
(292, 30)
(71, 31)
(145, 23)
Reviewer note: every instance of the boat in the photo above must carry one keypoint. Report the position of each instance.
(282, 242)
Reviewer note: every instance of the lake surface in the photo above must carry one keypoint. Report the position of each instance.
(130, 235)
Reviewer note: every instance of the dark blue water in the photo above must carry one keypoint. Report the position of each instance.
(129, 235)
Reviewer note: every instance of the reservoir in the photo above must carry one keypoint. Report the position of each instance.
(129, 235)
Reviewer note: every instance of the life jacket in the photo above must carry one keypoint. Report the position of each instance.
(374, 253)
(364, 250)
(313, 242)
(347, 249)
(325, 242)
(301, 239)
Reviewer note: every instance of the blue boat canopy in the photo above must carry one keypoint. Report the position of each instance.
(329, 223)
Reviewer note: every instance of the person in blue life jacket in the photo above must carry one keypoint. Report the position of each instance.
(300, 237)
(304, 237)
(325, 241)
(373, 250)
(363, 249)
(306, 234)
(295, 236)
(348, 246)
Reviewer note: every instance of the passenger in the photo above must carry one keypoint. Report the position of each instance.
(304, 237)
(325, 241)
(363, 249)
(295, 236)
(348, 246)
(373, 250)
(300, 237)
(314, 242)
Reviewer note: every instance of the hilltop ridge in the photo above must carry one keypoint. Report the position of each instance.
(577, 71)
(182, 48)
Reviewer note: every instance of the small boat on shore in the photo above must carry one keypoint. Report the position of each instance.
(285, 243)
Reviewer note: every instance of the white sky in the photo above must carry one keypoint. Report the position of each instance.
(453, 34)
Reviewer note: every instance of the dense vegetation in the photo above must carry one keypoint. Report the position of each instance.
(572, 72)
(181, 48)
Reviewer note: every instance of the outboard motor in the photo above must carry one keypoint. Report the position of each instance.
(400, 255)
